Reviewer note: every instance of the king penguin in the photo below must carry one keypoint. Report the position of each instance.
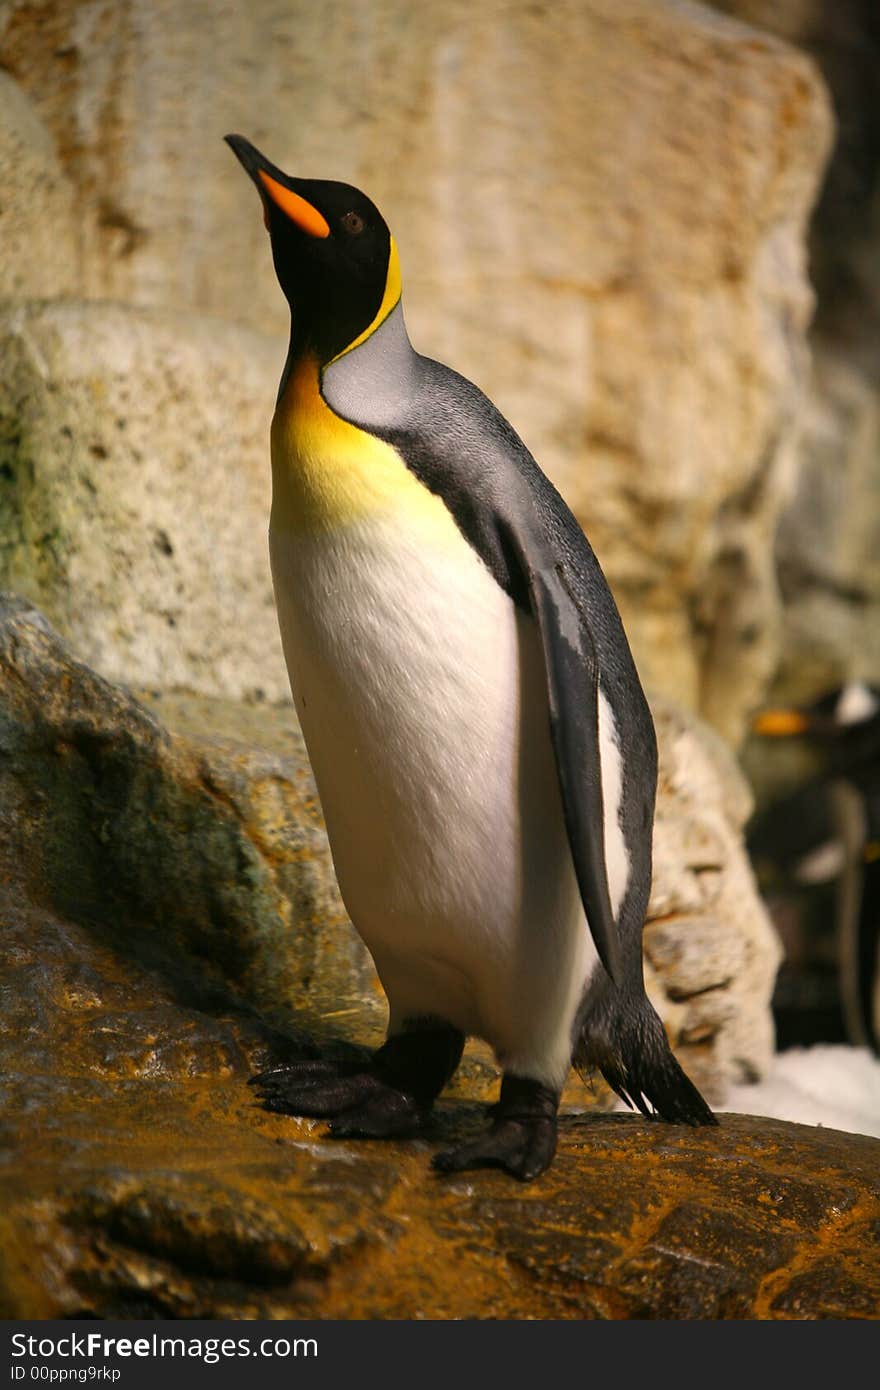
(827, 831)
(483, 751)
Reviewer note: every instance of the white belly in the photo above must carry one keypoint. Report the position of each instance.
(421, 696)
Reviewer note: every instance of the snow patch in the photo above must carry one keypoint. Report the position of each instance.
(837, 1087)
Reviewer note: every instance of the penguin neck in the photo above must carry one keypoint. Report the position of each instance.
(371, 384)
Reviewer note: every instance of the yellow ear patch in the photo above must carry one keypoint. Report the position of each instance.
(300, 212)
(390, 298)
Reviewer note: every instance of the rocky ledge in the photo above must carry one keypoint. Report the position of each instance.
(139, 1179)
(170, 924)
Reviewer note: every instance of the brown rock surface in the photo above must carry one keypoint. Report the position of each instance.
(623, 273)
(139, 1179)
(215, 858)
(169, 925)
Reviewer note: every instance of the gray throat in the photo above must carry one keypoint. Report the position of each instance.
(374, 384)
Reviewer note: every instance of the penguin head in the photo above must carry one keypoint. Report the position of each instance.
(334, 256)
(847, 708)
(842, 728)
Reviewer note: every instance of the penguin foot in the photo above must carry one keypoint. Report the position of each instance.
(523, 1148)
(359, 1103)
(388, 1114)
(522, 1139)
(388, 1097)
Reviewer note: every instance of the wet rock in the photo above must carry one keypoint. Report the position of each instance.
(163, 1191)
(216, 853)
(147, 968)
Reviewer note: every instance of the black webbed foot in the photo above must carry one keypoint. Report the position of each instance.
(387, 1097)
(386, 1114)
(333, 1091)
(523, 1148)
(522, 1138)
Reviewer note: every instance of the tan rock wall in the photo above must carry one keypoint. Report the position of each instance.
(37, 210)
(600, 207)
(829, 536)
(711, 952)
(828, 544)
(134, 491)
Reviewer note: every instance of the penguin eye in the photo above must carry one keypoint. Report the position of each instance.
(353, 223)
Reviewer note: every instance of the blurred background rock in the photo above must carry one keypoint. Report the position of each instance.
(605, 216)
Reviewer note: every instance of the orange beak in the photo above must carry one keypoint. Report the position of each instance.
(780, 723)
(300, 212)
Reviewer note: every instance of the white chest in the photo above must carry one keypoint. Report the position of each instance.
(421, 696)
(404, 658)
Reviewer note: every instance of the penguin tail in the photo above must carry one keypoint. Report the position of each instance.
(621, 1036)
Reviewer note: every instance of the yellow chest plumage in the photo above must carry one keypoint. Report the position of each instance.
(327, 473)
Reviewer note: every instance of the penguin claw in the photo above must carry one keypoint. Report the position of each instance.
(522, 1147)
(308, 1068)
(320, 1096)
(296, 1088)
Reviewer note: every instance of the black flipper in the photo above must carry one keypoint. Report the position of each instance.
(572, 672)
